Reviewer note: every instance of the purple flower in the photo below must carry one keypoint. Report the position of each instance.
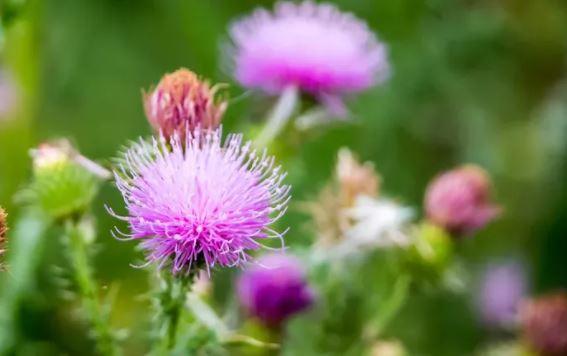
(315, 47)
(274, 289)
(200, 201)
(459, 200)
(502, 289)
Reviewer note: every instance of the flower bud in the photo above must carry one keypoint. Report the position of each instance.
(3, 230)
(544, 322)
(64, 182)
(181, 102)
(458, 200)
(432, 248)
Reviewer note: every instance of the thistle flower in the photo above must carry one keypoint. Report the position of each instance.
(503, 286)
(275, 289)
(544, 322)
(3, 230)
(180, 102)
(458, 200)
(315, 47)
(200, 201)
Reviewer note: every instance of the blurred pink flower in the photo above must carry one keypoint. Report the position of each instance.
(458, 200)
(544, 322)
(198, 202)
(274, 289)
(316, 47)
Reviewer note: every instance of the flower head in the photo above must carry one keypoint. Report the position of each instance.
(180, 102)
(274, 289)
(544, 322)
(502, 288)
(458, 200)
(199, 201)
(315, 47)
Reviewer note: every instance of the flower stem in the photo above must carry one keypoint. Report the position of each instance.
(279, 116)
(392, 306)
(78, 236)
(171, 301)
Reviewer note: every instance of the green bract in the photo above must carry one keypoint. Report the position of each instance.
(63, 188)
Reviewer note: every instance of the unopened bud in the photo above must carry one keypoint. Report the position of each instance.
(182, 102)
(458, 200)
(64, 182)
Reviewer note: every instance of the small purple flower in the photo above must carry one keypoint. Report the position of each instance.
(200, 201)
(274, 289)
(316, 47)
(503, 287)
(459, 200)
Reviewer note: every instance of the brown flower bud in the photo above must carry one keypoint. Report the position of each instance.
(181, 102)
(544, 323)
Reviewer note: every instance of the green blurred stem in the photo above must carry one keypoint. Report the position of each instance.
(392, 305)
(209, 318)
(26, 245)
(171, 301)
(78, 236)
(279, 116)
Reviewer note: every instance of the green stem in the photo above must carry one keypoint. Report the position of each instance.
(78, 236)
(392, 305)
(171, 301)
(209, 318)
(279, 116)
(26, 244)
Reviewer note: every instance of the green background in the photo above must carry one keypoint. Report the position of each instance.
(473, 81)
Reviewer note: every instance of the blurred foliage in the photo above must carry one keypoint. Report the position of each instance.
(480, 81)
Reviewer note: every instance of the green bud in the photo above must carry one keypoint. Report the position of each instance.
(431, 252)
(62, 185)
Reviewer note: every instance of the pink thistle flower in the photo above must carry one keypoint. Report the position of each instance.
(459, 200)
(200, 201)
(315, 47)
